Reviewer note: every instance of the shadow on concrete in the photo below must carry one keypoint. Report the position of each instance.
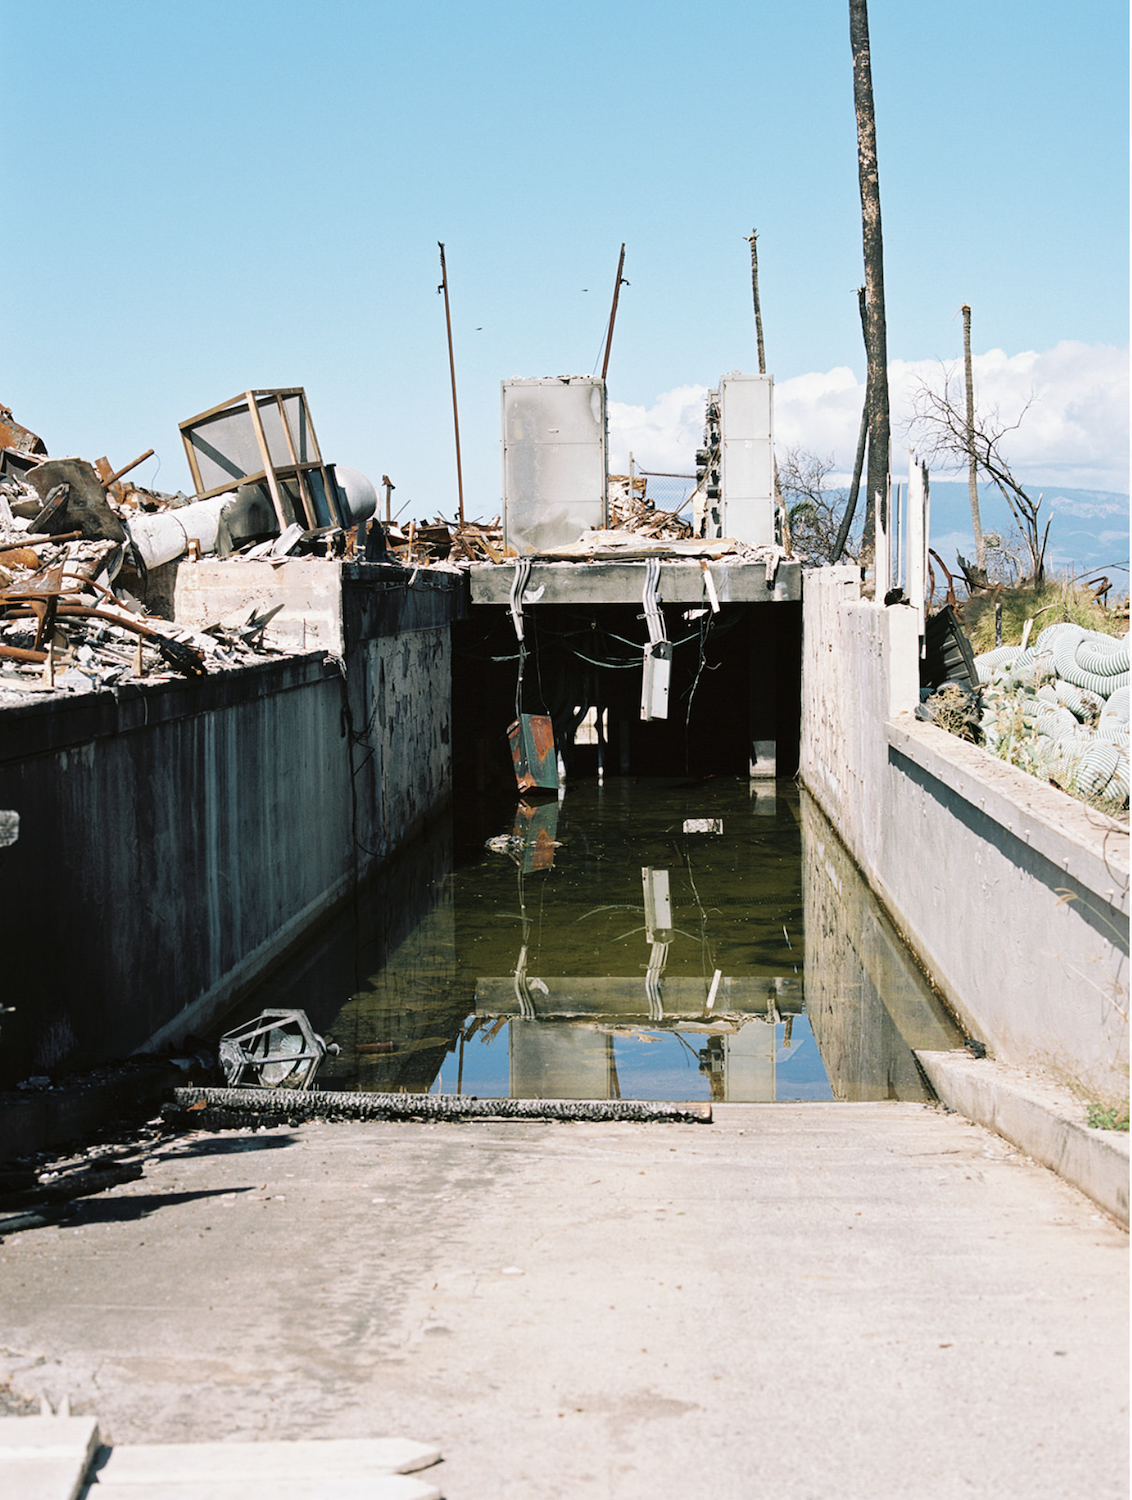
(214, 1146)
(86, 1211)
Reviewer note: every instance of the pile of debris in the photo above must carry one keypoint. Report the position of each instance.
(630, 509)
(70, 575)
(449, 545)
(454, 545)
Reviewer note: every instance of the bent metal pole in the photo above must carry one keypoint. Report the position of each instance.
(452, 367)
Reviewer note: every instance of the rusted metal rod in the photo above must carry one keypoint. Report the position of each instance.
(36, 541)
(20, 653)
(613, 311)
(452, 367)
(185, 658)
(951, 599)
(118, 473)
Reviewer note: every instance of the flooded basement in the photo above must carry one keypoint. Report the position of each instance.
(648, 939)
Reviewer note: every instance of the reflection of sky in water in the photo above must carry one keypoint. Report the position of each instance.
(587, 973)
(799, 1070)
(650, 1065)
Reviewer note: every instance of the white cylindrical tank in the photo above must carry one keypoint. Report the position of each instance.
(162, 536)
(357, 496)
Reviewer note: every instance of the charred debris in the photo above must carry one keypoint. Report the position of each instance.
(86, 596)
(85, 593)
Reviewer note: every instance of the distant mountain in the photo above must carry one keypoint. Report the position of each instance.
(1089, 530)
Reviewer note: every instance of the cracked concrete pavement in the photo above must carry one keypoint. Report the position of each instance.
(876, 1300)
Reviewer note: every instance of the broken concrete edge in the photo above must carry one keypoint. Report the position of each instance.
(63, 1457)
(226, 1464)
(1045, 1121)
(48, 1433)
(48, 1457)
(240, 1106)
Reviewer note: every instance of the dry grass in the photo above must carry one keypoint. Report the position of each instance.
(1057, 601)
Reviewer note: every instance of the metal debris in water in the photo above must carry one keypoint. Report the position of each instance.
(279, 1049)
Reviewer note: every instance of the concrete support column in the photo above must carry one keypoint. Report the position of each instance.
(763, 698)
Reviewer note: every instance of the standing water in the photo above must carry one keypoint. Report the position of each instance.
(646, 940)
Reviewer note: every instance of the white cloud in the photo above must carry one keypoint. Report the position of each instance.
(1070, 403)
(1074, 432)
(663, 437)
(819, 414)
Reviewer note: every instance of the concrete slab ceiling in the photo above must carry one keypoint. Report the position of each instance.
(622, 582)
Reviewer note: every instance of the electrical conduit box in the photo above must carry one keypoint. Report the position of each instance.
(555, 461)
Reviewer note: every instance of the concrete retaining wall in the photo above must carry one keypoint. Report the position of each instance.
(177, 837)
(868, 1003)
(1013, 895)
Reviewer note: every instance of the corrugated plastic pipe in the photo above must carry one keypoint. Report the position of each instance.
(1117, 704)
(1101, 771)
(1087, 658)
(1044, 726)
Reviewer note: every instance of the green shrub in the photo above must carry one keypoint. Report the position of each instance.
(1108, 1117)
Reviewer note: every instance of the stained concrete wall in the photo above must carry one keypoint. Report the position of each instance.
(869, 1004)
(1013, 895)
(177, 837)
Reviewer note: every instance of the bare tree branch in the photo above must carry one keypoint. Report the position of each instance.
(815, 512)
(946, 431)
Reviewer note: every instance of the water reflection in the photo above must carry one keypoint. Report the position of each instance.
(641, 940)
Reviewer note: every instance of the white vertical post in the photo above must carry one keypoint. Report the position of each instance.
(917, 536)
(882, 546)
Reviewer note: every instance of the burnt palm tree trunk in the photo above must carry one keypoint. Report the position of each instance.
(972, 455)
(877, 338)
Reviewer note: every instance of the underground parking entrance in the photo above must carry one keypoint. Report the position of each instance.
(734, 686)
(657, 926)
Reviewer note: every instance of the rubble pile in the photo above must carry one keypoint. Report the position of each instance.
(449, 544)
(70, 573)
(455, 545)
(631, 510)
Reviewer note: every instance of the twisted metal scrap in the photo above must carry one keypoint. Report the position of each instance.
(326, 1105)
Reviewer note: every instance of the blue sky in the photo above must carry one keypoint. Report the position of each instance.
(208, 197)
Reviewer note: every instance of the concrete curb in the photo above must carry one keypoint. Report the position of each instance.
(1047, 1122)
(47, 1458)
